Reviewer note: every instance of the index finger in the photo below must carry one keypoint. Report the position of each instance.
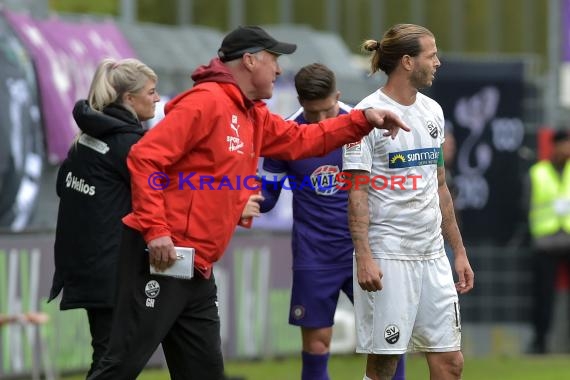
(393, 124)
(395, 119)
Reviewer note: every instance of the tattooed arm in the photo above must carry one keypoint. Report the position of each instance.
(368, 272)
(452, 236)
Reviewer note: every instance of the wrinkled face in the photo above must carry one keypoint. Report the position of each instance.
(265, 71)
(425, 64)
(320, 109)
(144, 101)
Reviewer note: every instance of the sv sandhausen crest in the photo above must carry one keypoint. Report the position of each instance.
(151, 289)
(392, 334)
(432, 128)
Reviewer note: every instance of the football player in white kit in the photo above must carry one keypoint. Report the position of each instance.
(400, 212)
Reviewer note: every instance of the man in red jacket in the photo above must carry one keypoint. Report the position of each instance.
(191, 177)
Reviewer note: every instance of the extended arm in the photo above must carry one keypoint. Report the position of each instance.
(288, 141)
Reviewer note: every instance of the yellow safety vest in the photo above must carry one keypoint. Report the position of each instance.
(546, 188)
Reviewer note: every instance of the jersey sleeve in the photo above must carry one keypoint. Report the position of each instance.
(440, 161)
(273, 169)
(272, 174)
(358, 155)
(440, 120)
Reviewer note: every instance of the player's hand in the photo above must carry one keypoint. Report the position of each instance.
(465, 275)
(161, 253)
(369, 274)
(252, 208)
(384, 119)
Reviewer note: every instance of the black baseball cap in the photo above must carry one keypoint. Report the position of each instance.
(251, 39)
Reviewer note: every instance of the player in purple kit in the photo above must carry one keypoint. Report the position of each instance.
(321, 242)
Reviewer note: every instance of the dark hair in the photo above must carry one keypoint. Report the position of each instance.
(314, 81)
(399, 40)
(560, 135)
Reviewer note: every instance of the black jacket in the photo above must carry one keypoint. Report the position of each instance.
(93, 185)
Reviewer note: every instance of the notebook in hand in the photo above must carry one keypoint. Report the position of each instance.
(183, 267)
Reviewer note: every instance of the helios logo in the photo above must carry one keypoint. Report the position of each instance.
(79, 184)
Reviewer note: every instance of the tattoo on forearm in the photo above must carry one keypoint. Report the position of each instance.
(358, 216)
(449, 227)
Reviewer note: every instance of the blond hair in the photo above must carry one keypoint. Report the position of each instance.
(114, 78)
(399, 40)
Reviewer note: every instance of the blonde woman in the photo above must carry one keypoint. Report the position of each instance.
(93, 185)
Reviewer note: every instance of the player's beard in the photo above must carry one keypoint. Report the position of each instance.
(421, 78)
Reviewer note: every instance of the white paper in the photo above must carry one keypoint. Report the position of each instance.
(183, 267)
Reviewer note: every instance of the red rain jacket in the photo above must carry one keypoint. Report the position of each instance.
(207, 146)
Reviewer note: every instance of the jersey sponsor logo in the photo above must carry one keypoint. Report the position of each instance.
(93, 143)
(353, 149)
(79, 185)
(433, 132)
(234, 142)
(392, 334)
(324, 180)
(414, 157)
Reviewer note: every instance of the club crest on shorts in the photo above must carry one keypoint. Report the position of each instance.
(392, 334)
(298, 312)
(152, 288)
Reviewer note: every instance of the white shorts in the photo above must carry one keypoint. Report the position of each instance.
(417, 309)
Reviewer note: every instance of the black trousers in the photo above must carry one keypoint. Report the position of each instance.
(100, 321)
(545, 276)
(180, 314)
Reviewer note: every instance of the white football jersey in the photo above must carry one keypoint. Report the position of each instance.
(405, 219)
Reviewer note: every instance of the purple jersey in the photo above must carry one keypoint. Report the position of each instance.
(320, 236)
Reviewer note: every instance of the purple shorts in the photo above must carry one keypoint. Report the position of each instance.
(315, 293)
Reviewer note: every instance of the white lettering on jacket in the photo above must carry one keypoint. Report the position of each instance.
(79, 185)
